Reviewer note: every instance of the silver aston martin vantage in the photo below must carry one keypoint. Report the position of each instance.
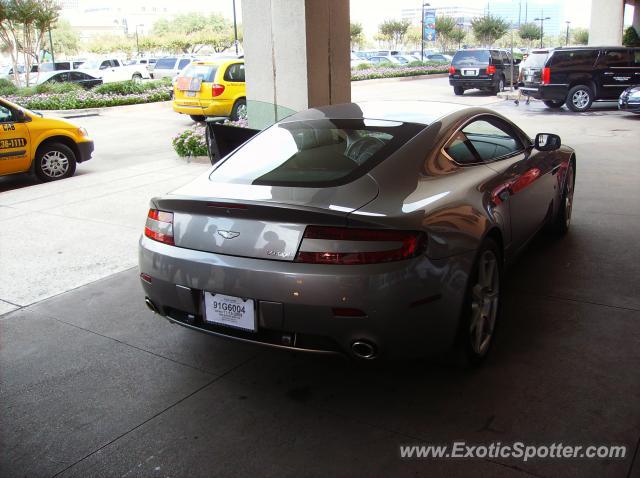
(372, 230)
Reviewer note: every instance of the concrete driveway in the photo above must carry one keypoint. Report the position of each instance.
(92, 384)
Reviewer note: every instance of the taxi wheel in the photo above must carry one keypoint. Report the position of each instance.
(55, 161)
(197, 118)
(239, 110)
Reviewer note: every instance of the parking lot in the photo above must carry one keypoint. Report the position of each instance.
(93, 384)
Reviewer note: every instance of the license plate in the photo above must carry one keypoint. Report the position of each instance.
(230, 311)
(528, 78)
(190, 93)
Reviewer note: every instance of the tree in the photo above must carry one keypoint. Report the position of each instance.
(580, 36)
(489, 28)
(23, 26)
(394, 31)
(112, 44)
(65, 39)
(356, 33)
(530, 32)
(630, 37)
(191, 32)
(444, 28)
(457, 36)
(413, 37)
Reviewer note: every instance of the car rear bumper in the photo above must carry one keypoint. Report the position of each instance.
(204, 107)
(411, 307)
(470, 83)
(546, 92)
(85, 150)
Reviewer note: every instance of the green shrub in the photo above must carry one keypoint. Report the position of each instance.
(191, 143)
(57, 88)
(631, 37)
(7, 87)
(363, 66)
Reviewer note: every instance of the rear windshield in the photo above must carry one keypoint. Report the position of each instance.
(470, 58)
(205, 72)
(166, 63)
(318, 153)
(536, 59)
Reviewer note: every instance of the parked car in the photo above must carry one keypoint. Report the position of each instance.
(113, 69)
(578, 76)
(438, 58)
(356, 60)
(211, 88)
(630, 99)
(379, 60)
(375, 230)
(79, 77)
(48, 147)
(169, 67)
(485, 69)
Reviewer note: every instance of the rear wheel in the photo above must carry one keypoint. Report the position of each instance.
(197, 118)
(458, 90)
(137, 77)
(579, 98)
(553, 103)
(500, 86)
(55, 161)
(481, 309)
(239, 110)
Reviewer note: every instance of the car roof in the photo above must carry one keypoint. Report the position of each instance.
(421, 112)
(217, 61)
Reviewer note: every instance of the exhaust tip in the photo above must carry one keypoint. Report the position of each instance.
(150, 305)
(363, 349)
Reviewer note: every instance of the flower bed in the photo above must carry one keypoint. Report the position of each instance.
(396, 72)
(100, 97)
(191, 142)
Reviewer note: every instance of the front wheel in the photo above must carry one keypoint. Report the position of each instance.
(137, 78)
(579, 98)
(562, 220)
(555, 104)
(481, 308)
(197, 118)
(458, 90)
(55, 161)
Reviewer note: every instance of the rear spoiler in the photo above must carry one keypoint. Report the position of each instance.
(221, 139)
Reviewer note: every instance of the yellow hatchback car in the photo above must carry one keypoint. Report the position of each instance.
(211, 88)
(48, 147)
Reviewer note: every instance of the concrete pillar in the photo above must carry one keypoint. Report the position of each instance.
(297, 56)
(636, 16)
(607, 18)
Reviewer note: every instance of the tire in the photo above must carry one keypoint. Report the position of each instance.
(458, 90)
(562, 221)
(500, 86)
(579, 98)
(239, 110)
(481, 308)
(136, 77)
(555, 104)
(197, 118)
(54, 161)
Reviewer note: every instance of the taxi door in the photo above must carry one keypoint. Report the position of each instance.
(15, 148)
(234, 83)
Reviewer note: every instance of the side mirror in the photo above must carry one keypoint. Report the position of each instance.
(19, 116)
(547, 142)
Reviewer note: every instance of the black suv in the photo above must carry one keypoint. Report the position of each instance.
(486, 69)
(578, 76)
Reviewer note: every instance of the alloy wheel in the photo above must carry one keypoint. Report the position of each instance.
(54, 164)
(580, 99)
(484, 303)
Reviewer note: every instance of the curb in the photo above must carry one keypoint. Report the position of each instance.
(73, 113)
(402, 78)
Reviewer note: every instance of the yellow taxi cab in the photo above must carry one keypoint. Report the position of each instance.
(211, 88)
(48, 147)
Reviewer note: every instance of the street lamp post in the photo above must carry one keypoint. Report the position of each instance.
(541, 20)
(422, 23)
(235, 26)
(460, 25)
(566, 42)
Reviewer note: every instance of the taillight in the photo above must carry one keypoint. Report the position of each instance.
(491, 70)
(546, 76)
(345, 246)
(452, 70)
(217, 90)
(159, 226)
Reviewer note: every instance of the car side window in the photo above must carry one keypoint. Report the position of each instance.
(616, 58)
(182, 63)
(492, 139)
(105, 64)
(459, 149)
(6, 115)
(235, 73)
(78, 76)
